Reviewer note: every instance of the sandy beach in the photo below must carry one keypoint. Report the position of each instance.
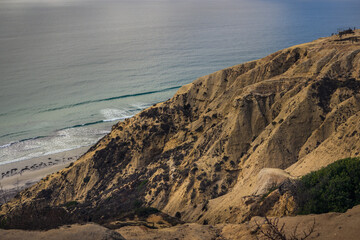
(17, 176)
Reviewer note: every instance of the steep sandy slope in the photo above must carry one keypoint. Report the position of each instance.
(200, 152)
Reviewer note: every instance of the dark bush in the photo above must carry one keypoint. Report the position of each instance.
(194, 170)
(137, 203)
(203, 185)
(70, 165)
(333, 188)
(71, 204)
(3, 222)
(217, 167)
(145, 211)
(165, 127)
(166, 178)
(45, 193)
(86, 179)
(142, 184)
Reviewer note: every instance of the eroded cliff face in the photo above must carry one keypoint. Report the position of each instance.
(200, 152)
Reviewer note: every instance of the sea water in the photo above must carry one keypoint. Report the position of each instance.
(69, 69)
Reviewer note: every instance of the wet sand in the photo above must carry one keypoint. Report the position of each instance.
(17, 176)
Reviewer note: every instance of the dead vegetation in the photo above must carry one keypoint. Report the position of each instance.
(272, 230)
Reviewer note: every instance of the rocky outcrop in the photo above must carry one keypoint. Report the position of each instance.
(270, 178)
(200, 153)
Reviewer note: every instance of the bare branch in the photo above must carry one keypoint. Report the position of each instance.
(273, 231)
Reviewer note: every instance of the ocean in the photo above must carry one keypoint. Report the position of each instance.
(70, 69)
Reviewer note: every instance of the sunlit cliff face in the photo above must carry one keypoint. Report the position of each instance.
(201, 152)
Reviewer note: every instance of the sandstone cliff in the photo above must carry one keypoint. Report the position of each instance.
(200, 153)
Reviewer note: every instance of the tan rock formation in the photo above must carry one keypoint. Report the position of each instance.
(270, 178)
(200, 152)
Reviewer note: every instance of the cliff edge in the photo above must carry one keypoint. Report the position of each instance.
(208, 153)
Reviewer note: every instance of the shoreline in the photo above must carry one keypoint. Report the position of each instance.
(16, 176)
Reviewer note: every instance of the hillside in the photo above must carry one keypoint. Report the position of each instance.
(210, 152)
(327, 226)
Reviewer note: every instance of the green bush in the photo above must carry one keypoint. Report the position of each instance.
(334, 188)
(142, 185)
